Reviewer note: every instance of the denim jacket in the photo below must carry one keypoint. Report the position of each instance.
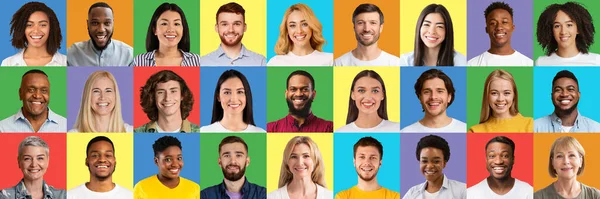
(20, 192)
(249, 191)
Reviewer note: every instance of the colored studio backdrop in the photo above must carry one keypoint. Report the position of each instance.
(255, 37)
(9, 8)
(78, 173)
(522, 35)
(322, 106)
(77, 76)
(476, 78)
(10, 79)
(343, 77)
(411, 109)
(410, 14)
(57, 162)
(345, 175)
(275, 13)
(77, 12)
(144, 167)
(191, 75)
(211, 172)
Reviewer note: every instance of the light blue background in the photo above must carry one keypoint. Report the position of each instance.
(542, 90)
(410, 106)
(143, 157)
(275, 10)
(8, 9)
(345, 176)
(258, 84)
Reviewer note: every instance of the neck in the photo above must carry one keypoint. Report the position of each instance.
(371, 185)
(568, 119)
(567, 187)
(233, 122)
(34, 186)
(435, 185)
(98, 185)
(170, 123)
(305, 186)
(431, 56)
(235, 186)
(501, 186)
(232, 51)
(102, 122)
(505, 115)
(302, 50)
(36, 52)
(506, 49)
(366, 53)
(367, 120)
(36, 121)
(567, 52)
(167, 51)
(437, 121)
(168, 182)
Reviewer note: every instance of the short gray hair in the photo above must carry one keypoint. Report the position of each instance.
(33, 141)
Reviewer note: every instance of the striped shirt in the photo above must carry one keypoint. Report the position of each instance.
(147, 59)
(18, 123)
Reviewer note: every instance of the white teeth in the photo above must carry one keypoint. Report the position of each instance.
(366, 169)
(103, 104)
(500, 105)
(100, 37)
(300, 37)
(431, 38)
(368, 104)
(168, 104)
(170, 36)
(500, 34)
(37, 103)
(173, 170)
(564, 38)
(34, 170)
(234, 105)
(102, 167)
(498, 169)
(36, 37)
(298, 100)
(430, 172)
(565, 102)
(434, 104)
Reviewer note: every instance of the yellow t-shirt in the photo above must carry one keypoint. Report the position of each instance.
(151, 187)
(356, 193)
(516, 124)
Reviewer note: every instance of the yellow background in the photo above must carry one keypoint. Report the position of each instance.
(77, 15)
(410, 14)
(78, 173)
(342, 81)
(256, 21)
(276, 143)
(541, 155)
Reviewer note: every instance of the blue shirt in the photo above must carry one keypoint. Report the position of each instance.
(147, 59)
(19, 191)
(18, 123)
(249, 191)
(84, 53)
(553, 124)
(246, 58)
(451, 189)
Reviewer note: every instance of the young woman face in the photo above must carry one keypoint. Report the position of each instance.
(433, 30)
(232, 96)
(103, 96)
(564, 30)
(500, 97)
(367, 95)
(300, 163)
(37, 29)
(169, 29)
(298, 30)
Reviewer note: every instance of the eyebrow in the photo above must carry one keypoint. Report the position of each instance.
(427, 21)
(163, 19)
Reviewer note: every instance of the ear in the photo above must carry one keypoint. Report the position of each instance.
(156, 161)
(245, 27)
(247, 161)
(217, 28)
(449, 97)
(219, 160)
(486, 29)
(381, 28)
(86, 162)
(352, 95)
(314, 93)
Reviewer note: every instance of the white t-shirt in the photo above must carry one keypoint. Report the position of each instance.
(427, 195)
(316, 58)
(384, 59)
(82, 192)
(281, 193)
(17, 60)
(218, 128)
(385, 126)
(482, 190)
(489, 59)
(128, 129)
(456, 126)
(408, 59)
(590, 59)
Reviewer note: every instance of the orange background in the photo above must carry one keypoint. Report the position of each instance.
(343, 35)
(543, 142)
(477, 164)
(191, 75)
(77, 15)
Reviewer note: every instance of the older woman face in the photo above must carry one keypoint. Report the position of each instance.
(33, 162)
(566, 162)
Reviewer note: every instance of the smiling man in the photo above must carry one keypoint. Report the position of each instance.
(300, 93)
(34, 115)
(101, 49)
(234, 159)
(500, 184)
(101, 162)
(368, 155)
(499, 27)
(368, 25)
(566, 117)
(231, 26)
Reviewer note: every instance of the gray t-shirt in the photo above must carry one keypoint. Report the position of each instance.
(550, 193)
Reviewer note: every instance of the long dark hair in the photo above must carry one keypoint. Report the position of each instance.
(446, 54)
(217, 114)
(353, 110)
(152, 40)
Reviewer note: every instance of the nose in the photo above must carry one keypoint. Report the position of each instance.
(498, 160)
(169, 96)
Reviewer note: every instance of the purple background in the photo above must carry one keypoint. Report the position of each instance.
(409, 169)
(77, 76)
(522, 37)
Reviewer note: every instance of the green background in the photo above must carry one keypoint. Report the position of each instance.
(10, 79)
(476, 79)
(322, 106)
(539, 6)
(142, 14)
(210, 170)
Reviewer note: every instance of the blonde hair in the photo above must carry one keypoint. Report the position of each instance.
(318, 174)
(86, 116)
(284, 43)
(565, 142)
(486, 110)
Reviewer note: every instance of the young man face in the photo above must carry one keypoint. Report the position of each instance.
(367, 161)
(500, 160)
(367, 27)
(233, 160)
(168, 98)
(35, 94)
(100, 160)
(565, 95)
(230, 27)
(100, 26)
(434, 97)
(300, 95)
(499, 27)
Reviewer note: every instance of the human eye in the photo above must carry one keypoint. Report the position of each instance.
(360, 90)
(494, 93)
(240, 92)
(95, 23)
(109, 90)
(44, 91)
(29, 24)
(304, 24)
(292, 25)
(107, 23)
(40, 158)
(177, 24)
(180, 158)
(227, 92)
(293, 156)
(306, 156)
(375, 91)
(569, 25)
(168, 160)
(556, 26)
(507, 93)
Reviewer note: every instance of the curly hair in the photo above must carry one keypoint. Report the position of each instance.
(18, 24)
(433, 141)
(148, 94)
(498, 5)
(165, 142)
(578, 14)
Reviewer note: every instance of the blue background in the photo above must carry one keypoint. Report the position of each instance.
(345, 176)
(275, 10)
(8, 9)
(542, 90)
(258, 83)
(410, 106)
(143, 165)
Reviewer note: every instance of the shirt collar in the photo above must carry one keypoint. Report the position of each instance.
(555, 118)
(21, 190)
(186, 55)
(186, 127)
(108, 46)
(445, 185)
(245, 186)
(52, 117)
(243, 52)
(290, 119)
